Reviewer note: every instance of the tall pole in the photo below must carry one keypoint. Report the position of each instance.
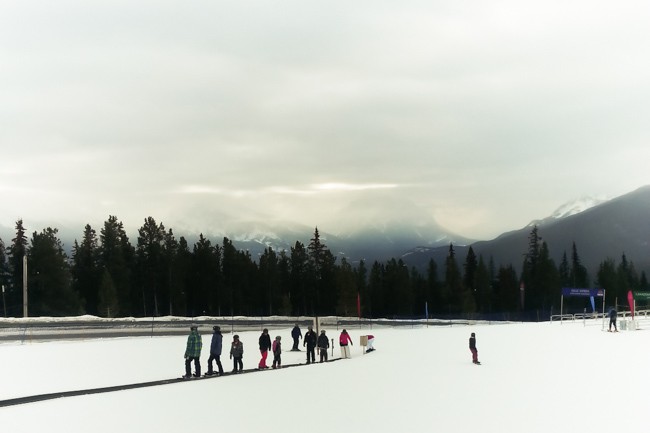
(4, 304)
(25, 314)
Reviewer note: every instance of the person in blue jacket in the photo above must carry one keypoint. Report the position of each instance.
(215, 351)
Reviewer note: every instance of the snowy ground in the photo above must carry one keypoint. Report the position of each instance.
(534, 378)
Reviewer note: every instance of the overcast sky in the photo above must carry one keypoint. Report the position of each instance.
(480, 115)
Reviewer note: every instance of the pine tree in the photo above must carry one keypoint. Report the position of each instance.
(270, 280)
(181, 278)
(149, 261)
(17, 251)
(347, 288)
(108, 301)
(376, 300)
(206, 265)
(453, 282)
(579, 275)
(5, 275)
(322, 263)
(531, 272)
(483, 287)
(116, 255)
(434, 297)
(468, 289)
(50, 280)
(85, 270)
(300, 279)
(607, 278)
(363, 292)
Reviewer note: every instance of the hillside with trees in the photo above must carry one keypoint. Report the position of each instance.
(108, 275)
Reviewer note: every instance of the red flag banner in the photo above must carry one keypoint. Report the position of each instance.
(630, 300)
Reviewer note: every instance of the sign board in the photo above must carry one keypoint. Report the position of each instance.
(574, 291)
(642, 296)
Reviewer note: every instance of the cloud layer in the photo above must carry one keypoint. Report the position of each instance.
(485, 115)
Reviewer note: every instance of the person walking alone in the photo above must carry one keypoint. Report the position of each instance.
(215, 351)
(612, 319)
(473, 349)
(344, 340)
(265, 346)
(193, 353)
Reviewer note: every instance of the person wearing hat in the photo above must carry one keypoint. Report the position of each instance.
(323, 344)
(237, 354)
(296, 334)
(472, 348)
(277, 351)
(344, 340)
(215, 351)
(310, 342)
(265, 346)
(193, 352)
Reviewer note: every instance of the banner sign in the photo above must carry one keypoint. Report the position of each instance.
(630, 300)
(573, 291)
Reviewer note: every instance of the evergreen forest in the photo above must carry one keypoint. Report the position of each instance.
(159, 275)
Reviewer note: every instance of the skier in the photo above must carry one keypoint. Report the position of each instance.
(323, 345)
(277, 351)
(236, 354)
(296, 334)
(193, 352)
(344, 339)
(215, 351)
(472, 348)
(310, 342)
(265, 346)
(612, 319)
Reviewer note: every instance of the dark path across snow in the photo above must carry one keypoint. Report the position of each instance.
(62, 394)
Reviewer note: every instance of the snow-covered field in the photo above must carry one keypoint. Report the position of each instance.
(535, 378)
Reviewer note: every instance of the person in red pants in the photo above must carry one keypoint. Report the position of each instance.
(265, 346)
(472, 348)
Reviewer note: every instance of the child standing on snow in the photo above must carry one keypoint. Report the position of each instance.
(277, 350)
(472, 348)
(236, 354)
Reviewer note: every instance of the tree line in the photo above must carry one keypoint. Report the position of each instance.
(108, 276)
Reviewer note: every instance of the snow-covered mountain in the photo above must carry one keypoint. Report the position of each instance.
(570, 208)
(599, 230)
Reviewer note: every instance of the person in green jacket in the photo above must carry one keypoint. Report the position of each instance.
(193, 352)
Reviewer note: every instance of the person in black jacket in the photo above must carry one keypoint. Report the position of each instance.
(323, 345)
(296, 334)
(310, 342)
(612, 320)
(265, 346)
(472, 348)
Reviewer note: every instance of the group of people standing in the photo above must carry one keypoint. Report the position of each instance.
(311, 341)
(321, 342)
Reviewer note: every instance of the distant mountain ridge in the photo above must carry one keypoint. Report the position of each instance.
(607, 229)
(600, 228)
